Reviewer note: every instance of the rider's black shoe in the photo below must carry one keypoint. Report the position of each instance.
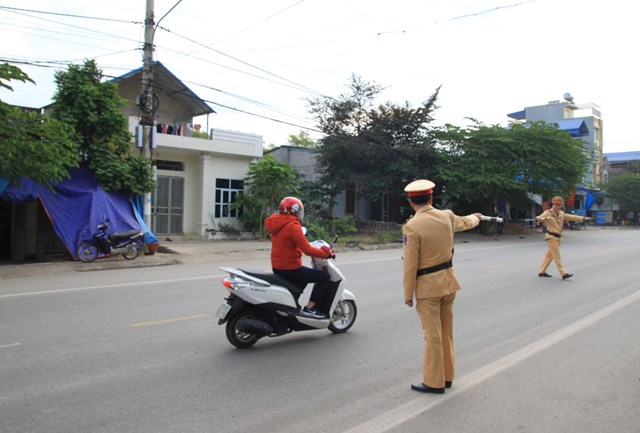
(312, 313)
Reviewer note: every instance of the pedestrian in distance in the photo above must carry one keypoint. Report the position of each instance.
(554, 219)
(499, 225)
(429, 278)
(288, 243)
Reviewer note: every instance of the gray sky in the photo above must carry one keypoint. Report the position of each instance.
(257, 61)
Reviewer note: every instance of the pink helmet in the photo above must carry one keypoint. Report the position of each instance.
(292, 206)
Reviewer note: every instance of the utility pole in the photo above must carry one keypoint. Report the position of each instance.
(147, 99)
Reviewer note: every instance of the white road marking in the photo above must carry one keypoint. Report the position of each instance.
(178, 280)
(109, 286)
(419, 405)
(10, 345)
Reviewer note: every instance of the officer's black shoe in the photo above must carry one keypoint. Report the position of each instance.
(448, 384)
(424, 388)
(567, 276)
(544, 274)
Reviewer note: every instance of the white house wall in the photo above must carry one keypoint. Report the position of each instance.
(191, 176)
(224, 168)
(227, 155)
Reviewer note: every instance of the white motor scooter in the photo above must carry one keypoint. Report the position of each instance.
(262, 304)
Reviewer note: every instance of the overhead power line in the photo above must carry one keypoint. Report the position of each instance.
(70, 15)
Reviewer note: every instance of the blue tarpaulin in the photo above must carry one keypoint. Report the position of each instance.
(4, 182)
(77, 205)
(589, 200)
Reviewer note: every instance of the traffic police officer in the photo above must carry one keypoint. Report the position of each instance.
(554, 219)
(430, 279)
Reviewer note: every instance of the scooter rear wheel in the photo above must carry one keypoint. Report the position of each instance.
(87, 252)
(134, 251)
(343, 317)
(238, 338)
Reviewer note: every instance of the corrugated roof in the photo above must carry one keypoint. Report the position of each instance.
(575, 127)
(518, 115)
(623, 156)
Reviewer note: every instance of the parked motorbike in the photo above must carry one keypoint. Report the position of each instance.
(262, 304)
(128, 243)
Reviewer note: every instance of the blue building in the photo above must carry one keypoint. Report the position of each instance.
(583, 122)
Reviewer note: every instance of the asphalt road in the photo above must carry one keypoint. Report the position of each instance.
(139, 350)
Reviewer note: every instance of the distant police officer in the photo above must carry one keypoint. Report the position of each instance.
(430, 278)
(554, 219)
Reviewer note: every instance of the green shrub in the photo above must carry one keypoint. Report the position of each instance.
(345, 226)
(317, 230)
(228, 229)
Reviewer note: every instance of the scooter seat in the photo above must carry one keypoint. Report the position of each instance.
(271, 278)
(121, 236)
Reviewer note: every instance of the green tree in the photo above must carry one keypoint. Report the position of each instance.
(33, 146)
(9, 72)
(267, 182)
(482, 163)
(625, 188)
(380, 147)
(94, 109)
(302, 140)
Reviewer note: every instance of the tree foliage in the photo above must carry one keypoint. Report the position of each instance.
(302, 140)
(267, 182)
(625, 188)
(34, 146)
(483, 163)
(12, 73)
(381, 147)
(94, 109)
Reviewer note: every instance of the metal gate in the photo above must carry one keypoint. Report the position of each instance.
(168, 205)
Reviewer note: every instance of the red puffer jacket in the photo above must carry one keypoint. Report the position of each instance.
(288, 242)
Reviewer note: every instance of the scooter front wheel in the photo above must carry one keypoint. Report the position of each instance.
(134, 250)
(343, 317)
(239, 338)
(87, 252)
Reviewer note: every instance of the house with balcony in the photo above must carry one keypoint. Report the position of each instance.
(199, 173)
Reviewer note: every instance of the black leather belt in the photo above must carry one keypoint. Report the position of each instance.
(436, 268)
(555, 234)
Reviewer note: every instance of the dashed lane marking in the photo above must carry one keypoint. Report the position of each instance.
(160, 322)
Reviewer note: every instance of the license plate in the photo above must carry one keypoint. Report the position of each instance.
(223, 310)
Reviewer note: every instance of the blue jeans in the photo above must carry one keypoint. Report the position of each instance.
(303, 276)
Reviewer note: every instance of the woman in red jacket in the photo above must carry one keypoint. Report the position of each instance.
(288, 242)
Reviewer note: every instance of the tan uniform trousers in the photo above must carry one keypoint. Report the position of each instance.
(553, 253)
(436, 315)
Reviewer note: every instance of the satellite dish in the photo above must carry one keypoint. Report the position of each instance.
(567, 97)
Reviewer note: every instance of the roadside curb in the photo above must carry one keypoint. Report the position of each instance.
(193, 252)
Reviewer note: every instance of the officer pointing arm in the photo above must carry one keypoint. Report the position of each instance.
(429, 278)
(554, 219)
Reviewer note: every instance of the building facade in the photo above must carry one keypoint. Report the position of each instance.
(582, 121)
(198, 174)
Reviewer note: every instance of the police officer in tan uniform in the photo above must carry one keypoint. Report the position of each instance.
(554, 219)
(430, 279)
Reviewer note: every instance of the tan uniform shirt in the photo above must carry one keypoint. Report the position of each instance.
(428, 241)
(555, 221)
